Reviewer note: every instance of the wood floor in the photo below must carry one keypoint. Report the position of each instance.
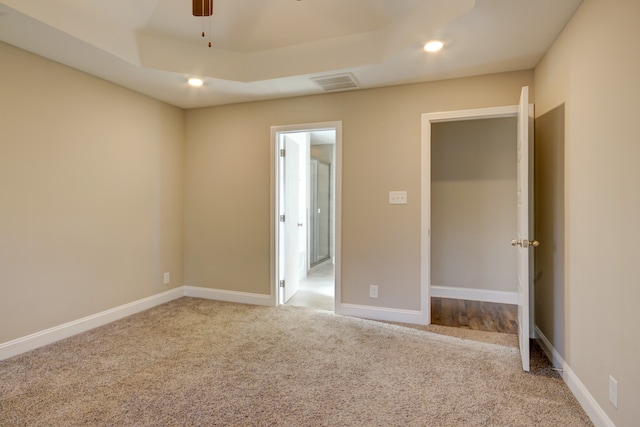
(481, 316)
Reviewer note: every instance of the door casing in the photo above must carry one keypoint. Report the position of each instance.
(275, 197)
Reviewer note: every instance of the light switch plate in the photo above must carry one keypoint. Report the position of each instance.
(397, 197)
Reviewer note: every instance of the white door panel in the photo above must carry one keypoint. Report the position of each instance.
(524, 224)
(294, 259)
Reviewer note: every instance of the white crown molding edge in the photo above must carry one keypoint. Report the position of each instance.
(595, 412)
(48, 336)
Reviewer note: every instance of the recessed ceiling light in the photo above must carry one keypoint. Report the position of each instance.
(195, 82)
(433, 46)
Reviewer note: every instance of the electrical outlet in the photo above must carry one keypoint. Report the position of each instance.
(373, 291)
(613, 391)
(167, 278)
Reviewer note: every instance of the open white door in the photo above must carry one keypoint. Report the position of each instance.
(293, 222)
(288, 231)
(524, 240)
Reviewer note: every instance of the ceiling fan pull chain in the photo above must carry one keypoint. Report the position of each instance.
(202, 18)
(211, 13)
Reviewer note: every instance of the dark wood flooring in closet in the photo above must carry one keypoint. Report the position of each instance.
(477, 315)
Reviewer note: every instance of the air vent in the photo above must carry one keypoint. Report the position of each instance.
(336, 82)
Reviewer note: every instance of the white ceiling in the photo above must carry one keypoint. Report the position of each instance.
(265, 49)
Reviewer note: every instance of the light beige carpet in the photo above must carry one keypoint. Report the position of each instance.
(195, 362)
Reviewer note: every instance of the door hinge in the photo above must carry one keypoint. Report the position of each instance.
(282, 218)
(283, 152)
(282, 283)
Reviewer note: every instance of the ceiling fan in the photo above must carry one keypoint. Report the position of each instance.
(204, 8)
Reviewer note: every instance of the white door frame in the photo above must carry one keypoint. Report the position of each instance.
(275, 199)
(425, 227)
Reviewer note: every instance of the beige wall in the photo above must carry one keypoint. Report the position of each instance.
(473, 204)
(90, 194)
(593, 68)
(550, 227)
(227, 183)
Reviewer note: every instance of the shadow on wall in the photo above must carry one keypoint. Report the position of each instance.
(549, 227)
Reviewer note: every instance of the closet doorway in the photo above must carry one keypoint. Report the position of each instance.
(522, 238)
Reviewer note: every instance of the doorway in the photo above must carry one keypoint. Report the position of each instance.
(306, 211)
(523, 233)
(473, 209)
(473, 219)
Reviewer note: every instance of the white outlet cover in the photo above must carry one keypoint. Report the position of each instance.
(167, 278)
(373, 291)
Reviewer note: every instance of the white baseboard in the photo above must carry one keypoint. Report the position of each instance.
(556, 359)
(48, 336)
(484, 295)
(23, 344)
(381, 313)
(589, 404)
(30, 342)
(229, 296)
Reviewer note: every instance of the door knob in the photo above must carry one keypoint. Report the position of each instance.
(516, 242)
